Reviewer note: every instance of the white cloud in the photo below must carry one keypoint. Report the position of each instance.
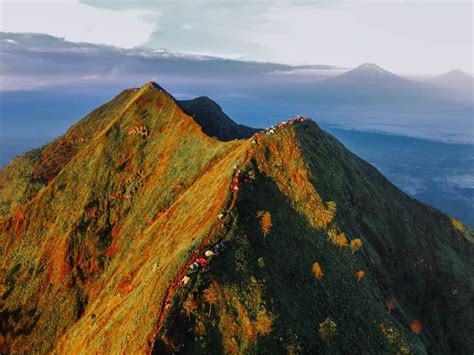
(403, 36)
(407, 37)
(76, 21)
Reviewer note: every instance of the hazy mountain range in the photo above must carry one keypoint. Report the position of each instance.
(56, 82)
(256, 94)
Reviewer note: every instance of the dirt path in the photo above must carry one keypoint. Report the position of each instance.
(166, 303)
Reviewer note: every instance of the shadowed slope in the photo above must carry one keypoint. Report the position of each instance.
(214, 122)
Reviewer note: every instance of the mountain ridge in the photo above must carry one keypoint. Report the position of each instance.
(214, 122)
(93, 251)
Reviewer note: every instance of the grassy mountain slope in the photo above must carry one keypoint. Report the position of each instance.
(114, 214)
(214, 122)
(268, 300)
(95, 234)
(27, 174)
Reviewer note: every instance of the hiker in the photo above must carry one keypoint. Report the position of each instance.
(220, 216)
(209, 253)
(194, 266)
(218, 247)
(185, 280)
(201, 261)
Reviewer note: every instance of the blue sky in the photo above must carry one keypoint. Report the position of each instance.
(424, 37)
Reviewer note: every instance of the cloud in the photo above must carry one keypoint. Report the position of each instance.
(422, 37)
(408, 36)
(76, 21)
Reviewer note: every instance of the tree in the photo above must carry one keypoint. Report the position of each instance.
(266, 223)
(391, 304)
(341, 241)
(211, 296)
(327, 329)
(263, 324)
(337, 238)
(332, 234)
(332, 206)
(416, 326)
(189, 306)
(318, 273)
(356, 244)
(360, 274)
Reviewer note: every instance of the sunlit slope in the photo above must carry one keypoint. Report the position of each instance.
(23, 177)
(262, 294)
(97, 246)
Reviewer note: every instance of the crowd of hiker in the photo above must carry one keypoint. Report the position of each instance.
(201, 261)
(272, 129)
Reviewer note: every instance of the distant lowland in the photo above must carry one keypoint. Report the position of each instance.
(418, 133)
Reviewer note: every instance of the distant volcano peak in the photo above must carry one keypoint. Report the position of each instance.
(371, 67)
(368, 73)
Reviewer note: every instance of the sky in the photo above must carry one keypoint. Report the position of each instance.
(407, 37)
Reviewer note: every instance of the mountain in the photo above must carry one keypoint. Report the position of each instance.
(213, 121)
(368, 74)
(455, 80)
(102, 232)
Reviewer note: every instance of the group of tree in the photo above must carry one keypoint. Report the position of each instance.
(339, 239)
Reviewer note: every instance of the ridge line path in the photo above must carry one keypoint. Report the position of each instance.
(166, 303)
